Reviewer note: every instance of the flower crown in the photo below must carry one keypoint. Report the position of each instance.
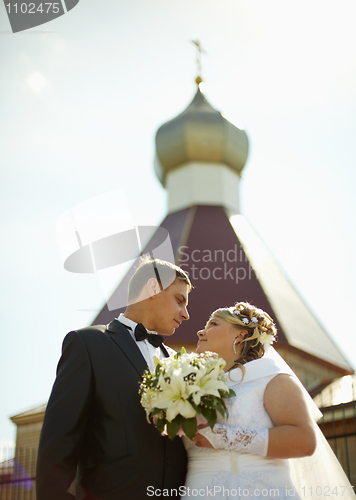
(263, 337)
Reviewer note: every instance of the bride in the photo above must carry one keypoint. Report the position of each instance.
(256, 452)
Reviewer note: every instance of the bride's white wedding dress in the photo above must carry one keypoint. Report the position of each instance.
(231, 474)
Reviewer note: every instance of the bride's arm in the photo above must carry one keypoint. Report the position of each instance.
(293, 435)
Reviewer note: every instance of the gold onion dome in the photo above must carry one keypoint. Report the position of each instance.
(199, 134)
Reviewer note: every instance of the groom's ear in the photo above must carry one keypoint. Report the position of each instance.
(152, 287)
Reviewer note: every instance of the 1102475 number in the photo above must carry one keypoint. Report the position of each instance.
(30, 8)
(327, 491)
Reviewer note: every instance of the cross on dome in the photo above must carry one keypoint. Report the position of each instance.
(200, 51)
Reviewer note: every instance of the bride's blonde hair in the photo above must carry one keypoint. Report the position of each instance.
(259, 325)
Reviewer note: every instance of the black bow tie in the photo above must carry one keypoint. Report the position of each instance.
(153, 338)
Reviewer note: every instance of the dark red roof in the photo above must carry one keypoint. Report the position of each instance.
(218, 268)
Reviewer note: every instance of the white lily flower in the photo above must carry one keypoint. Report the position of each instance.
(173, 397)
(180, 407)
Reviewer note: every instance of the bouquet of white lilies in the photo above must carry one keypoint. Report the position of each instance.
(181, 388)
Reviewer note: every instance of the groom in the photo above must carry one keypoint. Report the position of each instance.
(95, 428)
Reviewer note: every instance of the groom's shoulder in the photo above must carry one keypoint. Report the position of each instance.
(92, 330)
(95, 335)
(88, 333)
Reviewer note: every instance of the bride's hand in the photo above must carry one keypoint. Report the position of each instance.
(202, 426)
(201, 440)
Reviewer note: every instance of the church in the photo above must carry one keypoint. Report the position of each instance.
(200, 156)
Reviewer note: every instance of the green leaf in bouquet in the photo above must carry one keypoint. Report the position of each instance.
(222, 402)
(173, 427)
(210, 401)
(161, 422)
(227, 394)
(207, 400)
(178, 354)
(156, 411)
(210, 415)
(231, 394)
(214, 402)
(189, 426)
(157, 361)
(221, 408)
(196, 407)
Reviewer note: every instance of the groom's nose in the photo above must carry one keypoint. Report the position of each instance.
(185, 314)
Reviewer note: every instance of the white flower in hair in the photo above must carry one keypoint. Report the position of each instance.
(254, 320)
(266, 338)
(245, 320)
(237, 312)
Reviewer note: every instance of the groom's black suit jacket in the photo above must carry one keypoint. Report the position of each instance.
(94, 421)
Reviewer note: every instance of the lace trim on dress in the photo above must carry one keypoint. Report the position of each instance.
(238, 439)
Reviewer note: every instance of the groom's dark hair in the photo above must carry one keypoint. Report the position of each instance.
(164, 272)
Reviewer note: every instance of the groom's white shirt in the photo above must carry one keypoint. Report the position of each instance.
(148, 350)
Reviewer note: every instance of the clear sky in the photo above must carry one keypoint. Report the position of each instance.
(81, 100)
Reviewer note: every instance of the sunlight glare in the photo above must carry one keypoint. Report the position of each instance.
(37, 82)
